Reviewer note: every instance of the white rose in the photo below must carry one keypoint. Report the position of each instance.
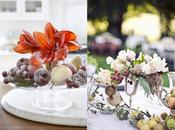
(146, 68)
(117, 65)
(125, 55)
(104, 76)
(109, 60)
(158, 64)
(154, 64)
(122, 55)
(131, 55)
(147, 58)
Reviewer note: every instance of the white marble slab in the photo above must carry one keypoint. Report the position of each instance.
(19, 103)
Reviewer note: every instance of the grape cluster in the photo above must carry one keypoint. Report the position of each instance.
(21, 75)
(117, 77)
(78, 78)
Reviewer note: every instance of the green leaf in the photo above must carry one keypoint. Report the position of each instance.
(145, 85)
(165, 78)
(140, 59)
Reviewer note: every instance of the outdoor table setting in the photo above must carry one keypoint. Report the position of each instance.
(135, 94)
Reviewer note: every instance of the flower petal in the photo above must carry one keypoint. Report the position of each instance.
(43, 57)
(61, 53)
(50, 32)
(29, 38)
(42, 41)
(34, 64)
(24, 46)
(62, 37)
(73, 46)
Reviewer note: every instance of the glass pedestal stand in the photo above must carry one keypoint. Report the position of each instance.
(133, 92)
(50, 100)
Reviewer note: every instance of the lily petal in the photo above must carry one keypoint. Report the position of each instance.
(61, 53)
(23, 48)
(42, 41)
(34, 64)
(50, 31)
(73, 46)
(63, 37)
(43, 57)
(29, 38)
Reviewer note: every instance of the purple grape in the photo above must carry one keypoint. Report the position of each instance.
(4, 74)
(12, 80)
(6, 80)
(83, 68)
(76, 85)
(71, 67)
(19, 72)
(42, 77)
(13, 71)
(25, 74)
(24, 68)
(22, 61)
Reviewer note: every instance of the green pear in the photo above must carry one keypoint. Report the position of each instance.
(141, 123)
(152, 123)
(159, 127)
(60, 74)
(145, 127)
(156, 118)
(171, 102)
(173, 94)
(77, 61)
(170, 122)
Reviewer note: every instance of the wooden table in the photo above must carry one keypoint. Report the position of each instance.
(10, 122)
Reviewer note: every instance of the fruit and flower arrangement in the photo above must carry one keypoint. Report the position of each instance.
(47, 49)
(148, 72)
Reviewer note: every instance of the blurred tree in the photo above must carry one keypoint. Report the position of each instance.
(115, 11)
(112, 11)
(166, 10)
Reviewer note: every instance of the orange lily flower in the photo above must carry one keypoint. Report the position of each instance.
(49, 46)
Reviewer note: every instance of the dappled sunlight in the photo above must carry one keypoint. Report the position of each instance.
(146, 25)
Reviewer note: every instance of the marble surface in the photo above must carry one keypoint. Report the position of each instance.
(19, 103)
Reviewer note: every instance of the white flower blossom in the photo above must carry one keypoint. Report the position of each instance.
(154, 64)
(125, 55)
(145, 68)
(117, 65)
(147, 58)
(109, 60)
(104, 76)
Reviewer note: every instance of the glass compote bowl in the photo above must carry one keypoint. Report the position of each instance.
(50, 99)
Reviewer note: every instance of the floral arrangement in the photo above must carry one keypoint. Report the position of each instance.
(47, 49)
(150, 72)
(52, 45)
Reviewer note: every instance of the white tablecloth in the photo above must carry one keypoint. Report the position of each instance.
(111, 122)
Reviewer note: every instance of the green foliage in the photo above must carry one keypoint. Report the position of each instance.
(145, 85)
(135, 10)
(91, 60)
(99, 61)
(165, 79)
(21, 82)
(140, 59)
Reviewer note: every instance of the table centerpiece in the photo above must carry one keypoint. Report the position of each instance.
(148, 72)
(46, 66)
